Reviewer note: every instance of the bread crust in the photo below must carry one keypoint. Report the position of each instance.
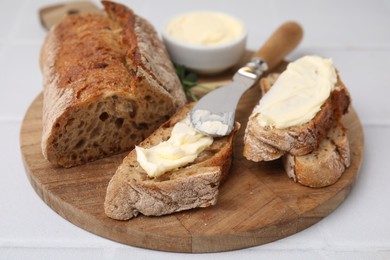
(131, 191)
(325, 165)
(266, 143)
(116, 61)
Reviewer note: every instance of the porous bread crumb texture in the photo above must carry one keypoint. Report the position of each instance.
(99, 129)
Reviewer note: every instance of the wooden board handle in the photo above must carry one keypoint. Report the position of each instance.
(280, 43)
(53, 14)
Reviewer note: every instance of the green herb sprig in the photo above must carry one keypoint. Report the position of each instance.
(188, 80)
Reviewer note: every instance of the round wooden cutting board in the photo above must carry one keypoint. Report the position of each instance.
(257, 204)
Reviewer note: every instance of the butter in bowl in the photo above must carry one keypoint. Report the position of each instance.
(205, 41)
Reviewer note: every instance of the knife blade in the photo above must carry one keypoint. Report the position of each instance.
(214, 113)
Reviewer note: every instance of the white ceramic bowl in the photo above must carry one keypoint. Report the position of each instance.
(206, 59)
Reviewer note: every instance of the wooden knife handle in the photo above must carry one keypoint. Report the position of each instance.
(280, 43)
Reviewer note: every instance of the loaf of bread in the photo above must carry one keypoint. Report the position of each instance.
(108, 84)
(325, 165)
(264, 143)
(131, 191)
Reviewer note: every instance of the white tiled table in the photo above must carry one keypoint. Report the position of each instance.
(356, 34)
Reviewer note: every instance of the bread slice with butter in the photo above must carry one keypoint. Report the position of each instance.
(131, 191)
(266, 143)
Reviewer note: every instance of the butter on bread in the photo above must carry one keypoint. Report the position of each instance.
(264, 143)
(108, 83)
(131, 191)
(314, 154)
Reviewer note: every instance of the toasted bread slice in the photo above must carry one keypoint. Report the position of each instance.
(325, 165)
(131, 191)
(263, 143)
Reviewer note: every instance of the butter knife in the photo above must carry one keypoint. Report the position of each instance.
(214, 113)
